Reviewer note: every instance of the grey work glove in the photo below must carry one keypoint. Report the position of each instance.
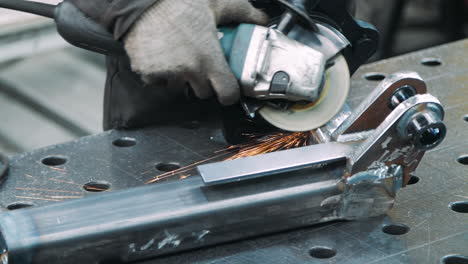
(179, 39)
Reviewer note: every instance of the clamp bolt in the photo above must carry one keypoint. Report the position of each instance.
(400, 95)
(427, 130)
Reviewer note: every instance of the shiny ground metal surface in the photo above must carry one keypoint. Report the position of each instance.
(435, 230)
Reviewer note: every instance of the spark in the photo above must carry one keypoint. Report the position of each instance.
(34, 194)
(271, 143)
(52, 179)
(184, 176)
(183, 169)
(80, 185)
(257, 145)
(63, 197)
(58, 169)
(37, 198)
(46, 190)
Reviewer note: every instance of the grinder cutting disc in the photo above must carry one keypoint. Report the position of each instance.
(309, 117)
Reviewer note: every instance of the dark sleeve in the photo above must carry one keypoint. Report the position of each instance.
(116, 15)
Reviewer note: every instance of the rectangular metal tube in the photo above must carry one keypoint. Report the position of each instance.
(166, 218)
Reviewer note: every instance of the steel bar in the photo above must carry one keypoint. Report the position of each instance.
(273, 163)
(166, 218)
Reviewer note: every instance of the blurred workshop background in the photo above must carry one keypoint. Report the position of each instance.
(51, 92)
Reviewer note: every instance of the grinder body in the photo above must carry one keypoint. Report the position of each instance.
(269, 65)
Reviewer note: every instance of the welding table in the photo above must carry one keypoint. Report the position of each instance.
(430, 230)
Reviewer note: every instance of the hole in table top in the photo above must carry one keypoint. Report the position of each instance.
(16, 206)
(167, 167)
(455, 259)
(97, 186)
(322, 252)
(395, 229)
(374, 76)
(413, 180)
(54, 160)
(465, 118)
(463, 159)
(431, 62)
(191, 125)
(460, 207)
(125, 142)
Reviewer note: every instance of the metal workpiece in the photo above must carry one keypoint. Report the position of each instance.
(423, 125)
(375, 108)
(404, 133)
(395, 124)
(387, 145)
(273, 163)
(387, 134)
(400, 95)
(370, 193)
(176, 216)
(166, 218)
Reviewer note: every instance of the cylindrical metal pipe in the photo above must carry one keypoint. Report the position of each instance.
(149, 221)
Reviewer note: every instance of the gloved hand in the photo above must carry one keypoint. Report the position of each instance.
(179, 39)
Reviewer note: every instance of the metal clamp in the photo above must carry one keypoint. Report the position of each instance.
(394, 126)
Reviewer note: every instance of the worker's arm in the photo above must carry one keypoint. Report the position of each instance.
(177, 39)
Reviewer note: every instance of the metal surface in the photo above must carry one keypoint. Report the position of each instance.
(435, 230)
(273, 163)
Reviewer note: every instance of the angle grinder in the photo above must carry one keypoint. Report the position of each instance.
(297, 87)
(295, 74)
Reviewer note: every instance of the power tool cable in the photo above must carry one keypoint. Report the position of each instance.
(41, 9)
